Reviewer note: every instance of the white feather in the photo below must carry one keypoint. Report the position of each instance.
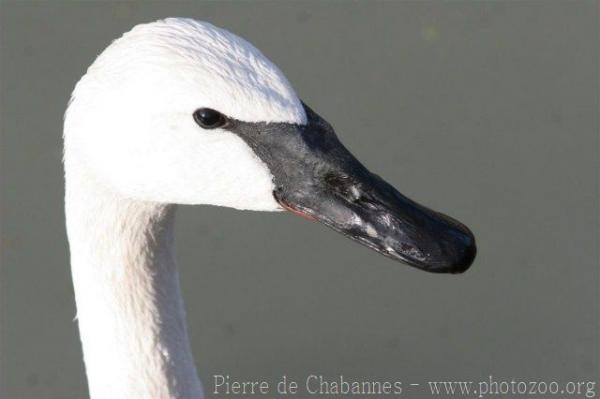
(130, 117)
(132, 148)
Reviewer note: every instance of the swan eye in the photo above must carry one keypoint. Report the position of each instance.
(209, 118)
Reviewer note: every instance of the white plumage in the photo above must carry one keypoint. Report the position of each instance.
(130, 121)
(182, 112)
(132, 149)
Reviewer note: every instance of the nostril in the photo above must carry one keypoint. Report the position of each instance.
(342, 185)
(335, 179)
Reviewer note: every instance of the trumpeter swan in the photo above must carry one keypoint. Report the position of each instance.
(182, 112)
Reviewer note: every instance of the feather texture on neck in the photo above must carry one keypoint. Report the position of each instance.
(130, 310)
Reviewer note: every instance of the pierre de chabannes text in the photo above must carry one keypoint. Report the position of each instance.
(316, 384)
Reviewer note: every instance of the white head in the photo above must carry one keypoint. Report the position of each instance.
(131, 126)
(130, 121)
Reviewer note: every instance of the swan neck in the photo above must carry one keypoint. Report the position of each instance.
(129, 306)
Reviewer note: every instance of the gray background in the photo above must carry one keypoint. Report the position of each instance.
(487, 111)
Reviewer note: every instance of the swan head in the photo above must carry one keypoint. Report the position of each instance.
(180, 111)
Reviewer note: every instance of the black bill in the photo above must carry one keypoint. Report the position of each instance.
(318, 178)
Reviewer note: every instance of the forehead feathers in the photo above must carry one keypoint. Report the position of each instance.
(179, 65)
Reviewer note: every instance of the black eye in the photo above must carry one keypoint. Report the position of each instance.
(209, 118)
